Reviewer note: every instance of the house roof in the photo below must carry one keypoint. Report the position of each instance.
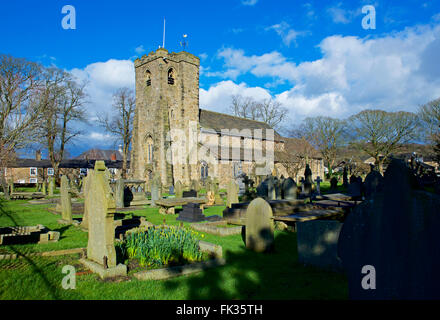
(99, 154)
(217, 121)
(71, 163)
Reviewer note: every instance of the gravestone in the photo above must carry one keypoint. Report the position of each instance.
(262, 189)
(216, 189)
(317, 243)
(101, 253)
(44, 188)
(278, 189)
(271, 192)
(191, 213)
(51, 186)
(119, 193)
(155, 191)
(318, 185)
(171, 190)
(334, 184)
(232, 191)
(355, 188)
(85, 219)
(345, 178)
(259, 232)
(189, 194)
(179, 189)
(289, 189)
(373, 183)
(66, 201)
(308, 181)
(396, 233)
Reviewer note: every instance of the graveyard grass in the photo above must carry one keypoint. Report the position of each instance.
(247, 275)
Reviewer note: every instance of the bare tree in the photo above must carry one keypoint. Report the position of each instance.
(120, 124)
(325, 134)
(63, 99)
(430, 117)
(19, 114)
(380, 133)
(296, 154)
(268, 111)
(271, 112)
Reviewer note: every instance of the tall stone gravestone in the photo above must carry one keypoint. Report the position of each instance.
(44, 188)
(101, 253)
(51, 186)
(308, 181)
(119, 193)
(355, 188)
(66, 201)
(178, 189)
(259, 232)
(85, 219)
(232, 193)
(289, 189)
(334, 184)
(156, 189)
(271, 192)
(373, 183)
(389, 245)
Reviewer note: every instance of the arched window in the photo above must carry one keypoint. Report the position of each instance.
(148, 76)
(149, 150)
(171, 76)
(204, 170)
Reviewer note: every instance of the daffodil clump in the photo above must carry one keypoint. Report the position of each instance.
(162, 245)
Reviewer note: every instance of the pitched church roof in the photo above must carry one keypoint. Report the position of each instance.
(218, 121)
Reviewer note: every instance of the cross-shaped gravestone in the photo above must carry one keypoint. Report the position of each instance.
(318, 185)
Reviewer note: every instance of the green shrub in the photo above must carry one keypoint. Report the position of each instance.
(157, 246)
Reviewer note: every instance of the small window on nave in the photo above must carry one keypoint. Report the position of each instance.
(204, 170)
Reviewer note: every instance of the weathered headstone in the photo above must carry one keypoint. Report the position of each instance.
(334, 184)
(66, 201)
(44, 188)
(308, 181)
(355, 188)
(390, 243)
(191, 213)
(289, 189)
(259, 226)
(373, 183)
(189, 194)
(119, 193)
(178, 189)
(345, 178)
(155, 191)
(271, 192)
(101, 253)
(51, 186)
(262, 189)
(85, 219)
(232, 191)
(318, 185)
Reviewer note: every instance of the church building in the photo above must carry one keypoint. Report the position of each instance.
(175, 139)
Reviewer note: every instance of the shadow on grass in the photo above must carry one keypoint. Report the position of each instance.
(53, 288)
(4, 213)
(275, 275)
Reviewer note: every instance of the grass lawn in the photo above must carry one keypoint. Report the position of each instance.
(247, 275)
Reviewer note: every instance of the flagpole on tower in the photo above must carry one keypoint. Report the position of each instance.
(163, 42)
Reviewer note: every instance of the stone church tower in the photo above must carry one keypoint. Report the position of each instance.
(167, 114)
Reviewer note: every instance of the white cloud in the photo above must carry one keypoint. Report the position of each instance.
(399, 71)
(341, 15)
(249, 2)
(287, 34)
(139, 50)
(218, 96)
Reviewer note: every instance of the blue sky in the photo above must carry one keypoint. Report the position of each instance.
(314, 57)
